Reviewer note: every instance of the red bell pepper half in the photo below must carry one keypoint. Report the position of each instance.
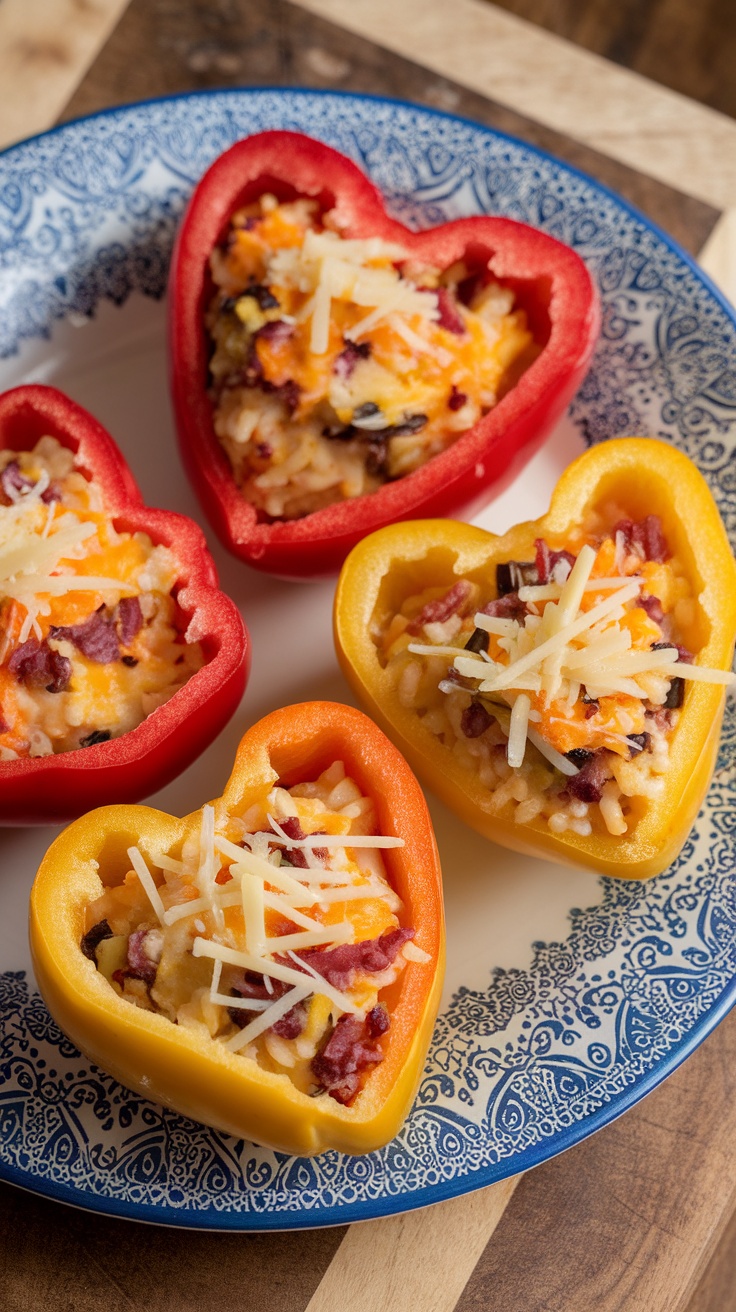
(550, 283)
(124, 769)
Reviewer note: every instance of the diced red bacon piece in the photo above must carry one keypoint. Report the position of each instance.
(546, 559)
(142, 958)
(11, 480)
(346, 362)
(475, 720)
(449, 315)
(437, 612)
(653, 608)
(378, 1021)
(276, 331)
(291, 826)
(249, 984)
(587, 784)
(339, 965)
(96, 638)
(37, 665)
(643, 538)
(130, 619)
(347, 1053)
(508, 607)
(291, 1025)
(457, 399)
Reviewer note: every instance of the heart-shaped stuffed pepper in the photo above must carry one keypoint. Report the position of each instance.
(121, 660)
(333, 371)
(270, 965)
(560, 687)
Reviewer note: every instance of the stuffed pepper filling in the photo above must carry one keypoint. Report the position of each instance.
(275, 932)
(89, 637)
(561, 686)
(339, 364)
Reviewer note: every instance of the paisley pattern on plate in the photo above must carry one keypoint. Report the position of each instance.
(540, 1057)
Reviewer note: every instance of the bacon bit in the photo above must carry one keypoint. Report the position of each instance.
(339, 1065)
(475, 720)
(508, 607)
(546, 559)
(436, 612)
(274, 332)
(378, 1021)
(92, 939)
(587, 785)
(682, 652)
(346, 362)
(338, 965)
(249, 984)
(96, 638)
(662, 717)
(457, 399)
(11, 480)
(591, 708)
(644, 538)
(129, 619)
(579, 756)
(37, 665)
(291, 1025)
(449, 317)
(131, 661)
(264, 450)
(291, 826)
(140, 964)
(653, 608)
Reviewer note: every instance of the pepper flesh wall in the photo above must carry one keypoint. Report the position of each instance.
(374, 1073)
(549, 285)
(114, 720)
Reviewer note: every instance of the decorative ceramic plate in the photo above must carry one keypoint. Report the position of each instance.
(568, 996)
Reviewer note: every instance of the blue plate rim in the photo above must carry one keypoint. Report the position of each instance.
(211, 1219)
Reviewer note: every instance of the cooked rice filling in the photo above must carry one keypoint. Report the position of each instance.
(561, 688)
(276, 932)
(89, 639)
(338, 365)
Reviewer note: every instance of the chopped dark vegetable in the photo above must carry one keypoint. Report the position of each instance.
(95, 737)
(92, 939)
(514, 574)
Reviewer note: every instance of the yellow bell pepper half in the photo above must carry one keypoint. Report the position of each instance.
(186, 1069)
(641, 476)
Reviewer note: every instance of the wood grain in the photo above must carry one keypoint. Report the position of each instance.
(688, 47)
(44, 51)
(62, 1260)
(609, 108)
(161, 47)
(421, 1260)
(628, 1220)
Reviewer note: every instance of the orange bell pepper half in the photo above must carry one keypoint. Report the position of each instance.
(184, 1067)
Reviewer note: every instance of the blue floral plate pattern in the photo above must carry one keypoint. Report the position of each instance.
(539, 1041)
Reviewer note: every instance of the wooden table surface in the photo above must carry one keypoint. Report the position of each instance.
(642, 1215)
